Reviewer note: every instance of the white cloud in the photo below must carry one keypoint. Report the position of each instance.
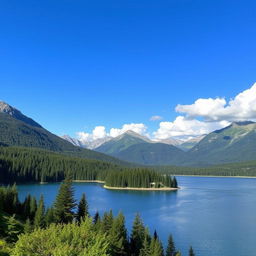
(201, 117)
(241, 108)
(181, 127)
(156, 118)
(99, 132)
(138, 128)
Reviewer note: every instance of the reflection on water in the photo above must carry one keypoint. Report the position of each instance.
(215, 215)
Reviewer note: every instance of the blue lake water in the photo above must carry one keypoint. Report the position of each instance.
(217, 216)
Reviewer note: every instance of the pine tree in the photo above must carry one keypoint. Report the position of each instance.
(82, 210)
(13, 229)
(155, 235)
(33, 208)
(174, 182)
(96, 217)
(107, 222)
(28, 227)
(137, 236)
(156, 248)
(118, 236)
(49, 216)
(26, 207)
(170, 250)
(145, 250)
(65, 203)
(191, 251)
(39, 221)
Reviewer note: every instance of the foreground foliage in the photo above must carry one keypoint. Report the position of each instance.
(62, 240)
(27, 229)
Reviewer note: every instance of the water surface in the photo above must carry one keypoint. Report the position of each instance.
(215, 215)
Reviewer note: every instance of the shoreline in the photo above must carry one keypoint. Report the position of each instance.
(216, 176)
(141, 189)
(90, 181)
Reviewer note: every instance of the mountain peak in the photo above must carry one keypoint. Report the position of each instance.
(133, 134)
(5, 108)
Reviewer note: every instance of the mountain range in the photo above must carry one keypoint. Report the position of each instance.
(185, 145)
(235, 143)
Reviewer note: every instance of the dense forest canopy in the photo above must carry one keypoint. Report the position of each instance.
(35, 165)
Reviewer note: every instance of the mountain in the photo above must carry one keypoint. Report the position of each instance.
(151, 154)
(96, 143)
(90, 144)
(189, 144)
(17, 129)
(122, 142)
(141, 150)
(170, 141)
(15, 113)
(73, 141)
(235, 143)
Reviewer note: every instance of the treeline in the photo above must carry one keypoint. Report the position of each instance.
(33, 165)
(140, 178)
(67, 228)
(232, 169)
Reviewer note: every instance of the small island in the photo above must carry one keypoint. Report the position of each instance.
(137, 179)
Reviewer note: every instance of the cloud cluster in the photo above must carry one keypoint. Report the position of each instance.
(138, 128)
(182, 127)
(241, 108)
(99, 132)
(201, 117)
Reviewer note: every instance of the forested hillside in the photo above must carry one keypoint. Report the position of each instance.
(235, 143)
(26, 132)
(34, 165)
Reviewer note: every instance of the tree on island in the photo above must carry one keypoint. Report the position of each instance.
(174, 182)
(65, 202)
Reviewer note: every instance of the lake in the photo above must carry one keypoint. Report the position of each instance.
(217, 216)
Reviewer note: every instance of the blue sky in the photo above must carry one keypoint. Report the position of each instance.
(74, 65)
